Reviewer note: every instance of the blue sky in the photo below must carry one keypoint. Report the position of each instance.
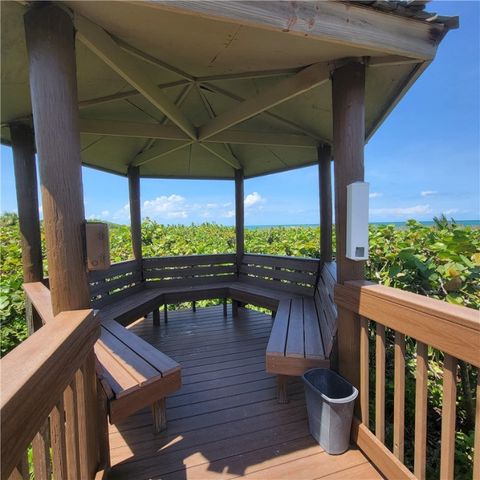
(423, 161)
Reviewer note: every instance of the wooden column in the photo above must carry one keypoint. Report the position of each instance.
(23, 147)
(53, 86)
(239, 216)
(324, 154)
(348, 92)
(135, 211)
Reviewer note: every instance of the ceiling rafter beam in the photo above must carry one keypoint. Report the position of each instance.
(222, 154)
(102, 44)
(274, 116)
(131, 129)
(243, 137)
(249, 75)
(302, 82)
(161, 131)
(211, 113)
(158, 151)
(127, 94)
(153, 60)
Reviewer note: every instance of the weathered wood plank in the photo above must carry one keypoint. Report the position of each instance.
(364, 372)
(295, 339)
(380, 382)
(293, 263)
(447, 453)
(421, 399)
(399, 397)
(58, 441)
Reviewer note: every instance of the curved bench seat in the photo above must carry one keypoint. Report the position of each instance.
(304, 324)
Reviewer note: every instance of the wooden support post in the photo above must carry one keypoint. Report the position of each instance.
(165, 312)
(235, 306)
(224, 307)
(50, 39)
(239, 217)
(53, 87)
(325, 187)
(135, 212)
(282, 388)
(159, 414)
(156, 316)
(23, 148)
(348, 92)
(194, 306)
(102, 429)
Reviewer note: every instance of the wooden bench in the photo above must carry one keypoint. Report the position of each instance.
(134, 374)
(300, 296)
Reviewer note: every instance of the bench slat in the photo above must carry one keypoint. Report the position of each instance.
(161, 362)
(278, 335)
(313, 337)
(295, 338)
(140, 371)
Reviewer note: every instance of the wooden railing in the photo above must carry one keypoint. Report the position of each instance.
(189, 270)
(291, 274)
(46, 400)
(455, 331)
(119, 280)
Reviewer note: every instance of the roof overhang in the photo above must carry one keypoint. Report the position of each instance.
(198, 89)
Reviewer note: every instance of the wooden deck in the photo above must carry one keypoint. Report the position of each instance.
(225, 422)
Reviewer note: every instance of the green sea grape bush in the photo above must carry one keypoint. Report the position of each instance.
(442, 261)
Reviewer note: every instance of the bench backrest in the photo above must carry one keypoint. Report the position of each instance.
(120, 280)
(188, 271)
(326, 307)
(289, 274)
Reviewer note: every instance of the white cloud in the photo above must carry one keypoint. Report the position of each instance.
(428, 193)
(375, 195)
(253, 199)
(105, 213)
(450, 211)
(229, 214)
(414, 210)
(172, 206)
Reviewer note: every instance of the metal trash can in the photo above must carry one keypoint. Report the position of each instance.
(330, 399)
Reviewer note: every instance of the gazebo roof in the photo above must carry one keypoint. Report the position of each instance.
(198, 89)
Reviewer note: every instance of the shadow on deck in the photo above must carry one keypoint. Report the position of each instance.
(225, 421)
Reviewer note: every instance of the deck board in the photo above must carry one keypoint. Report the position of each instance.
(225, 421)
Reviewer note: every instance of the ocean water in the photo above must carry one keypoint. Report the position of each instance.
(470, 223)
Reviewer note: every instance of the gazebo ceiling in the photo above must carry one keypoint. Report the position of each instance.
(198, 89)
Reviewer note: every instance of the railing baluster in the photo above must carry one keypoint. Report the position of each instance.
(57, 436)
(380, 383)
(399, 398)
(421, 384)
(71, 432)
(447, 456)
(41, 453)
(364, 371)
(476, 447)
(21, 471)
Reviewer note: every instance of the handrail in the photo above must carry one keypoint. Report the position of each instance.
(452, 329)
(36, 373)
(39, 296)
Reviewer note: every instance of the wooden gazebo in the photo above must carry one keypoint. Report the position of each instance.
(208, 90)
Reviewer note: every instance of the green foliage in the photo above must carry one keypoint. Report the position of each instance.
(442, 261)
